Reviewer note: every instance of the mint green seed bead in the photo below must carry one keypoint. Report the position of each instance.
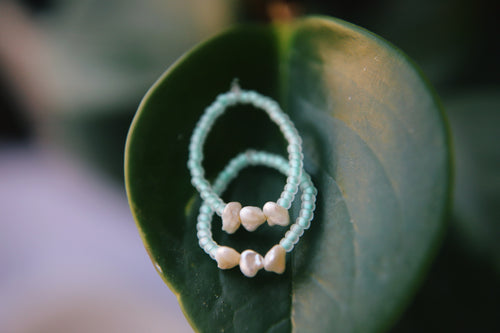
(289, 187)
(295, 174)
(276, 160)
(296, 155)
(294, 239)
(232, 166)
(192, 164)
(260, 102)
(204, 122)
(307, 197)
(225, 175)
(281, 121)
(205, 209)
(210, 245)
(203, 241)
(205, 233)
(294, 148)
(288, 196)
(221, 99)
(266, 159)
(232, 172)
(196, 173)
(309, 206)
(211, 249)
(203, 217)
(204, 187)
(240, 160)
(263, 159)
(273, 110)
(286, 244)
(283, 203)
(290, 236)
(195, 149)
(310, 190)
(303, 222)
(203, 224)
(196, 157)
(307, 214)
(219, 207)
(292, 180)
(210, 200)
(254, 158)
(297, 230)
(195, 181)
(289, 133)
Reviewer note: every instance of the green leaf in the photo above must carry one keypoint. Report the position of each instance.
(375, 144)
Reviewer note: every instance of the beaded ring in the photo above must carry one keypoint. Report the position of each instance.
(233, 214)
(251, 262)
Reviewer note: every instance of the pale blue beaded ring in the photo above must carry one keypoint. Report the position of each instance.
(232, 213)
(251, 262)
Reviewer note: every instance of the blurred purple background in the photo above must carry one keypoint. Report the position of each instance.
(71, 258)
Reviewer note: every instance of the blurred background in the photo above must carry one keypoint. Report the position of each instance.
(72, 74)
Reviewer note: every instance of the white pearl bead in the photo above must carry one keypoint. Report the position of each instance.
(275, 259)
(231, 217)
(252, 217)
(250, 263)
(276, 214)
(227, 257)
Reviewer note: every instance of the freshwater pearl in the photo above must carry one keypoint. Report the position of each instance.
(276, 214)
(275, 259)
(227, 257)
(250, 263)
(252, 217)
(231, 217)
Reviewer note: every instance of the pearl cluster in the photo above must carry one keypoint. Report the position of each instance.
(250, 217)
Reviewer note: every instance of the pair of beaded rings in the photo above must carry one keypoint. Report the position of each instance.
(233, 214)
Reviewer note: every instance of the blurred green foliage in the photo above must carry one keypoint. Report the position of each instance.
(104, 56)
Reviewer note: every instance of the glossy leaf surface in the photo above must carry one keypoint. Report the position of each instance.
(375, 145)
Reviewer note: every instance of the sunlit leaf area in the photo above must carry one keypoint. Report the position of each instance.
(397, 103)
